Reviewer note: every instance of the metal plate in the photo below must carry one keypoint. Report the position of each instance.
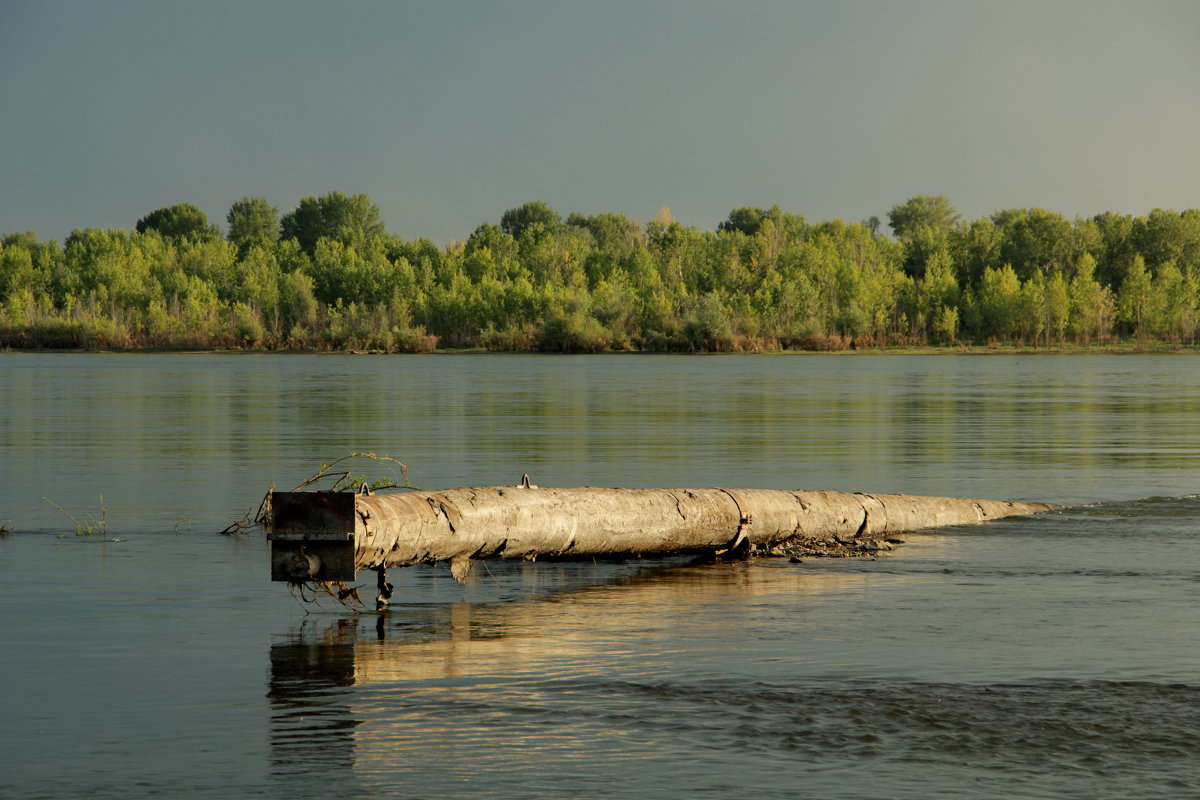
(312, 515)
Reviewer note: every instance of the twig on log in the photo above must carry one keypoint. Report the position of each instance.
(343, 483)
(346, 481)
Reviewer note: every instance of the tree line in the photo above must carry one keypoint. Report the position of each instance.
(327, 275)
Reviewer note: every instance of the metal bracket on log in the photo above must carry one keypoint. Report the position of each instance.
(312, 536)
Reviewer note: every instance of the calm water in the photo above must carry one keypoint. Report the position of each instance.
(1056, 656)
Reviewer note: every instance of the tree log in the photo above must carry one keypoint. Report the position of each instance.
(327, 536)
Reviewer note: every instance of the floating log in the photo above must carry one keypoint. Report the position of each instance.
(327, 536)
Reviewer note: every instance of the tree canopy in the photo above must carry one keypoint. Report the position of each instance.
(178, 221)
(252, 219)
(349, 219)
(328, 276)
(922, 211)
(516, 221)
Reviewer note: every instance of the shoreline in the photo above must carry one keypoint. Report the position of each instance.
(1122, 348)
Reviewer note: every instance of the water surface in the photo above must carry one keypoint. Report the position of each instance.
(1052, 656)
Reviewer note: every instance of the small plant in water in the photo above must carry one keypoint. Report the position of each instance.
(92, 524)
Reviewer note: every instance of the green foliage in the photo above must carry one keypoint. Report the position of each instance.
(1117, 247)
(1163, 237)
(182, 220)
(764, 279)
(1091, 306)
(1033, 240)
(999, 302)
(252, 220)
(1134, 299)
(750, 221)
(348, 219)
(247, 327)
(932, 212)
(17, 272)
(534, 218)
(707, 324)
(936, 311)
(1058, 306)
(973, 248)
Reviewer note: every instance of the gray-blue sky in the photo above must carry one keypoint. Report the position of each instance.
(448, 113)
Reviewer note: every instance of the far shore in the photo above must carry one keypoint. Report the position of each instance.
(1108, 348)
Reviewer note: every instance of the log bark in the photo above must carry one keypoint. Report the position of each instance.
(459, 525)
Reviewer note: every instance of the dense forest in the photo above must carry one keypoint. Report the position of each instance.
(328, 276)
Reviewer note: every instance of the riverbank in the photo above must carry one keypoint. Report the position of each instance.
(1130, 347)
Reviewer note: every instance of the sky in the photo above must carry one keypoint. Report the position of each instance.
(448, 113)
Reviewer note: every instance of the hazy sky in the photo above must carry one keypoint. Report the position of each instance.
(448, 113)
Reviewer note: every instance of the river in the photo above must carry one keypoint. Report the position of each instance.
(1051, 656)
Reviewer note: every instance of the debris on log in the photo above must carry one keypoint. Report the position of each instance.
(327, 536)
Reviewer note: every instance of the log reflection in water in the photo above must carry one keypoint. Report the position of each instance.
(650, 616)
(510, 683)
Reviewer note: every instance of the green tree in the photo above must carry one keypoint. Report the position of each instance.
(973, 248)
(615, 233)
(937, 290)
(214, 262)
(706, 323)
(748, 219)
(614, 305)
(945, 324)
(922, 211)
(1174, 304)
(252, 220)
(1091, 305)
(18, 271)
(1032, 312)
(534, 217)
(1117, 247)
(1033, 240)
(109, 265)
(999, 302)
(1058, 306)
(259, 277)
(924, 245)
(246, 325)
(491, 251)
(1163, 236)
(365, 277)
(182, 220)
(45, 259)
(673, 245)
(1085, 238)
(349, 219)
(298, 304)
(1134, 298)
